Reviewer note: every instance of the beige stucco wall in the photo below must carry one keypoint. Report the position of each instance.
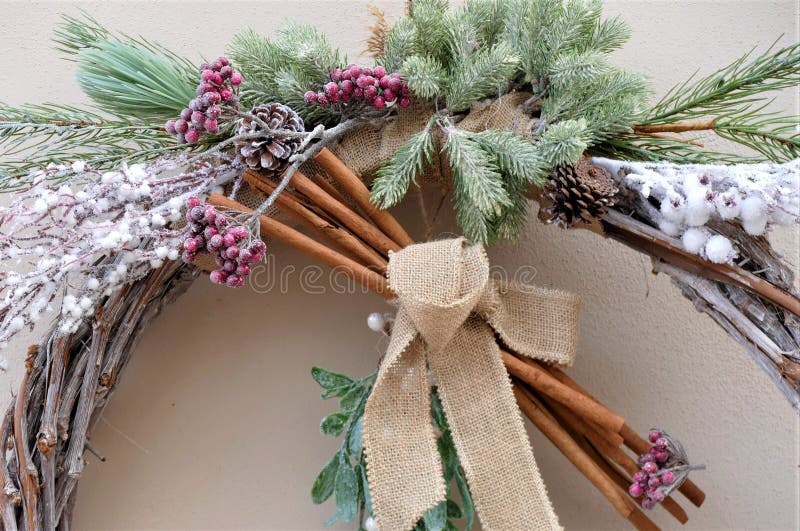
(215, 423)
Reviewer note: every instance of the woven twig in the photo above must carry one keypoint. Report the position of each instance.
(67, 384)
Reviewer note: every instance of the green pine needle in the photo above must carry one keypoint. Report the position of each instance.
(475, 173)
(482, 74)
(394, 178)
(424, 75)
(126, 80)
(129, 78)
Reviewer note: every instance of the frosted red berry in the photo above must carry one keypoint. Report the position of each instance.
(191, 245)
(217, 85)
(654, 435)
(212, 126)
(217, 276)
(667, 478)
(635, 490)
(234, 281)
(650, 467)
(209, 232)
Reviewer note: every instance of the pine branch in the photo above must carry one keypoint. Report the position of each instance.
(400, 44)
(487, 17)
(517, 158)
(424, 76)
(739, 85)
(429, 17)
(656, 149)
(485, 72)
(130, 78)
(33, 136)
(578, 69)
(474, 173)
(609, 35)
(564, 142)
(297, 60)
(394, 178)
(127, 81)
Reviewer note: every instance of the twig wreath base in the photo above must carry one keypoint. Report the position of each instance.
(498, 102)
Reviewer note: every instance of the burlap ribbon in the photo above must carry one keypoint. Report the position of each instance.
(449, 311)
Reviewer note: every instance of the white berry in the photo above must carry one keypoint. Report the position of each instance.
(376, 322)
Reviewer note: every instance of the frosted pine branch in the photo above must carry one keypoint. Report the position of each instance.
(683, 199)
(91, 234)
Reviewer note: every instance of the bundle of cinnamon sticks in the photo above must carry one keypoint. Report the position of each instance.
(355, 238)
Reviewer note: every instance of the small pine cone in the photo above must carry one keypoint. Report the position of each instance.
(270, 152)
(579, 193)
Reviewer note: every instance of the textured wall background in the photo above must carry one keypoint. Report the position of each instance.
(215, 423)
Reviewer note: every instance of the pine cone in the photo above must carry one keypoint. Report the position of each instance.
(270, 152)
(579, 193)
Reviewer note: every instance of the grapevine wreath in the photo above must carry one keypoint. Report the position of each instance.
(180, 168)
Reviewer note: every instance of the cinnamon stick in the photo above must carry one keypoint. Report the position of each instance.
(608, 454)
(365, 230)
(366, 277)
(572, 451)
(323, 183)
(354, 187)
(632, 439)
(336, 235)
(539, 379)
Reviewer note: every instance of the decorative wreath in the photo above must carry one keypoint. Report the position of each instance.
(179, 169)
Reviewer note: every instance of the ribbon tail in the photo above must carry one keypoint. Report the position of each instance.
(489, 433)
(403, 463)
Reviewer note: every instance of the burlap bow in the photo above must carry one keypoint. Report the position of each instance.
(449, 310)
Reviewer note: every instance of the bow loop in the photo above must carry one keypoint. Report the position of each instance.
(550, 332)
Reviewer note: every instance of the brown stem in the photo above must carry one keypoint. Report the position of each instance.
(28, 473)
(10, 495)
(366, 277)
(642, 237)
(680, 127)
(674, 138)
(351, 184)
(336, 235)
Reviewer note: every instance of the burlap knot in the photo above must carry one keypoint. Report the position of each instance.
(449, 310)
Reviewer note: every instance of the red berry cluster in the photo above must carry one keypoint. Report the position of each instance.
(355, 85)
(657, 474)
(217, 87)
(234, 248)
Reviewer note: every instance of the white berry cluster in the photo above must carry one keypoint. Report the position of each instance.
(688, 197)
(82, 234)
